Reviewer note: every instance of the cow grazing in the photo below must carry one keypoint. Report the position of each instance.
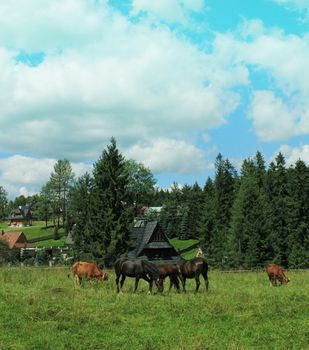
(87, 270)
(275, 273)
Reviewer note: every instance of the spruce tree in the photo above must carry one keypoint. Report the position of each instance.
(298, 215)
(111, 204)
(225, 185)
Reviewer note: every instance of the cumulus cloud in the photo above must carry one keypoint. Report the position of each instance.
(292, 154)
(21, 175)
(281, 111)
(127, 80)
(168, 155)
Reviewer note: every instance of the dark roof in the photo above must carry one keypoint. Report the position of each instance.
(22, 212)
(142, 234)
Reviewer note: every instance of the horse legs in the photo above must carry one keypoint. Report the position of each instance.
(183, 280)
(174, 281)
(197, 280)
(150, 282)
(206, 280)
(136, 283)
(117, 282)
(123, 277)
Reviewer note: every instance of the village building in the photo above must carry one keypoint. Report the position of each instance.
(15, 240)
(21, 216)
(148, 241)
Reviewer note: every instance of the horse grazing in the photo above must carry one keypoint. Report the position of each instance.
(192, 269)
(171, 271)
(138, 269)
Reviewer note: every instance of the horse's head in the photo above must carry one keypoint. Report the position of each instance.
(285, 280)
(159, 284)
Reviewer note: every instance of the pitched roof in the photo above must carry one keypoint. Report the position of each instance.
(142, 235)
(15, 239)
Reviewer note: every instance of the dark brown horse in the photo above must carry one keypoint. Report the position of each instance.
(138, 269)
(171, 271)
(193, 269)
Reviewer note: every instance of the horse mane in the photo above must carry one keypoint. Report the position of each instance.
(151, 269)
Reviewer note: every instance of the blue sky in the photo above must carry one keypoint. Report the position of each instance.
(175, 81)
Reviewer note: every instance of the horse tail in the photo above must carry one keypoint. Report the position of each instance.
(151, 269)
(118, 264)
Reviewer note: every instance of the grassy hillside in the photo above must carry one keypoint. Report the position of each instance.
(182, 244)
(35, 231)
(40, 310)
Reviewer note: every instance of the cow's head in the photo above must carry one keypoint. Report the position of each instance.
(285, 280)
(105, 276)
(159, 284)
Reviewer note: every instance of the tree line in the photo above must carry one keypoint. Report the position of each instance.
(245, 219)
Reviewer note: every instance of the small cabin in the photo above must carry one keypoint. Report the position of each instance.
(21, 216)
(15, 240)
(148, 241)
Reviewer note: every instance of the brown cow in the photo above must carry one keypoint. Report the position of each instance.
(275, 272)
(89, 271)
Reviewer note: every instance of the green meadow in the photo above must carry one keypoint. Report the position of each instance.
(40, 309)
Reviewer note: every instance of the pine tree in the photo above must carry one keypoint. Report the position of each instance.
(277, 211)
(206, 222)
(79, 211)
(298, 225)
(225, 185)
(111, 204)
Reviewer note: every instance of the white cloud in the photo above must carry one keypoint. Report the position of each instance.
(282, 110)
(272, 119)
(167, 10)
(131, 81)
(168, 155)
(21, 175)
(292, 154)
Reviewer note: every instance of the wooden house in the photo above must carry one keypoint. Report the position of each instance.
(21, 216)
(15, 240)
(150, 242)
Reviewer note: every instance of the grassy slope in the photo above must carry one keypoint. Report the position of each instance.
(182, 244)
(240, 311)
(35, 231)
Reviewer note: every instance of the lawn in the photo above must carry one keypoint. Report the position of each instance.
(40, 310)
(36, 230)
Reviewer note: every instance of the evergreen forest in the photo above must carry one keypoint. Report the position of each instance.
(242, 219)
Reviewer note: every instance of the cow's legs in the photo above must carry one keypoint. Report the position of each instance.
(76, 281)
(197, 280)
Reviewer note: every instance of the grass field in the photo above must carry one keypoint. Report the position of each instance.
(36, 230)
(41, 310)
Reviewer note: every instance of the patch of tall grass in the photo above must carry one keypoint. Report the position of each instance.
(41, 310)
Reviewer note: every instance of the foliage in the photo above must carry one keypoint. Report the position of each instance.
(140, 183)
(108, 221)
(60, 181)
(3, 203)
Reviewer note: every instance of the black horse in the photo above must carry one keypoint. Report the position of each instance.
(192, 269)
(138, 269)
